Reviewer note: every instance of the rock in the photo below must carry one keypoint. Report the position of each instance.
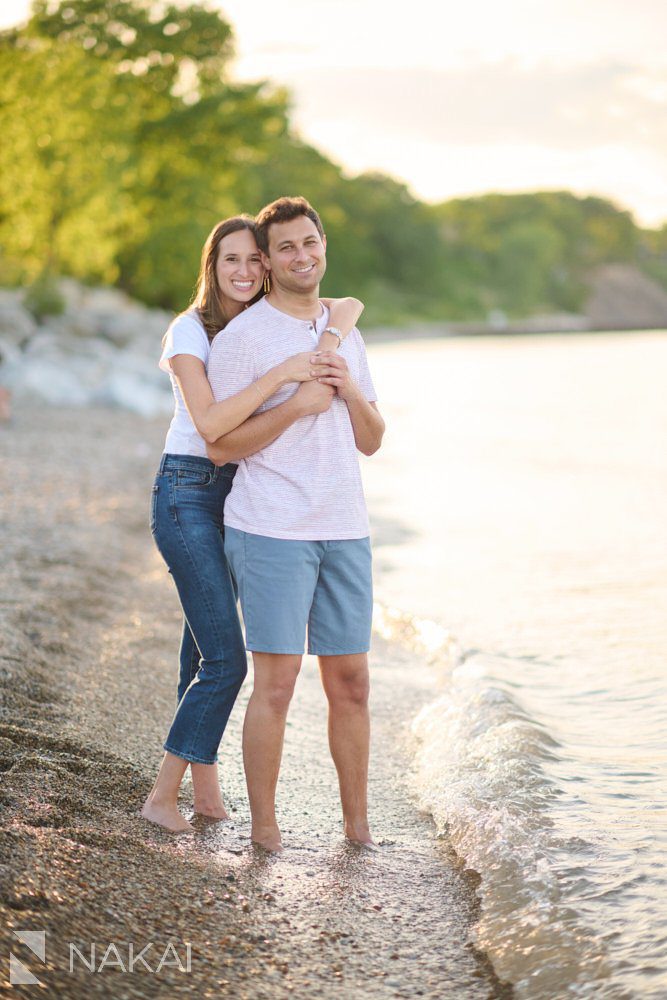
(16, 323)
(97, 299)
(103, 350)
(52, 383)
(130, 391)
(9, 353)
(125, 328)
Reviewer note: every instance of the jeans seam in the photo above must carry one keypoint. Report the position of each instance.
(244, 601)
(218, 638)
(195, 658)
(210, 610)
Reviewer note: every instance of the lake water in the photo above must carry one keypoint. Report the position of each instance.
(519, 516)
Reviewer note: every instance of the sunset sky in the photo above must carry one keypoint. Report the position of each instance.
(462, 99)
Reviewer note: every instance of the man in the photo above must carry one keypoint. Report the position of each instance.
(296, 527)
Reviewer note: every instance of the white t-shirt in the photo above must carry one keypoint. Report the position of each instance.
(307, 484)
(186, 335)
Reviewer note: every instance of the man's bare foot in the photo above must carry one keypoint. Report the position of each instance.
(267, 837)
(359, 833)
(165, 815)
(211, 810)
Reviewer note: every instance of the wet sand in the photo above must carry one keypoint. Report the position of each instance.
(90, 626)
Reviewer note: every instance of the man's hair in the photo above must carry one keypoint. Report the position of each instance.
(283, 210)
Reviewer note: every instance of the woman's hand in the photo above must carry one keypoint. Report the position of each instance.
(332, 370)
(343, 314)
(313, 398)
(299, 368)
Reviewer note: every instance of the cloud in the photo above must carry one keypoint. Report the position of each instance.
(603, 103)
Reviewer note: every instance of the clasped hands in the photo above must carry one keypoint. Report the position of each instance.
(323, 374)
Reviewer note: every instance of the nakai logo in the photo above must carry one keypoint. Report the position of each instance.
(19, 974)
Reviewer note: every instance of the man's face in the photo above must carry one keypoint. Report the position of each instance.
(297, 255)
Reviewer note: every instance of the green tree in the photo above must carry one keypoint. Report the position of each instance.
(130, 141)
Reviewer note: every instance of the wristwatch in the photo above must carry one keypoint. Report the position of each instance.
(336, 332)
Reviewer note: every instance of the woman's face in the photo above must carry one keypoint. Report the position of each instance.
(239, 268)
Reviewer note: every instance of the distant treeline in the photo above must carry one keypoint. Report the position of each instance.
(124, 140)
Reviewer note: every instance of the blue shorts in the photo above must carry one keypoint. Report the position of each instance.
(284, 585)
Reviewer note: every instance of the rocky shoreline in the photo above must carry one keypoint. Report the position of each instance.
(102, 350)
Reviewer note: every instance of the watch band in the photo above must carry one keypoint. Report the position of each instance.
(336, 332)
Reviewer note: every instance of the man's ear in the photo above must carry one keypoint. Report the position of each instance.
(324, 240)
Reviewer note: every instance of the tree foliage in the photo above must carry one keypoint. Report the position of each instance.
(125, 139)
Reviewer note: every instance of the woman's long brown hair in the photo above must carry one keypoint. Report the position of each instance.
(207, 299)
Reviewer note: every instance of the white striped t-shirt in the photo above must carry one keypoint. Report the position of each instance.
(306, 485)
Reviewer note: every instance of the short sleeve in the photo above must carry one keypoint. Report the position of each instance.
(365, 381)
(231, 364)
(186, 335)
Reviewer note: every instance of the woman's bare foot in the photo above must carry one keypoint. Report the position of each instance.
(206, 787)
(267, 837)
(211, 810)
(166, 815)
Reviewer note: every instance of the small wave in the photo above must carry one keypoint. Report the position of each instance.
(480, 770)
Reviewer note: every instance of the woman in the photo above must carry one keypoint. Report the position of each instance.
(187, 509)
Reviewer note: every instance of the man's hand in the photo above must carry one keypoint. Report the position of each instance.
(299, 368)
(312, 397)
(332, 370)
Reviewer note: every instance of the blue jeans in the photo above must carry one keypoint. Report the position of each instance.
(186, 521)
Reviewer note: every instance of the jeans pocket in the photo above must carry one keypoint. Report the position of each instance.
(191, 478)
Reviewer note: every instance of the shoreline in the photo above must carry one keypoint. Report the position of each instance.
(521, 328)
(91, 625)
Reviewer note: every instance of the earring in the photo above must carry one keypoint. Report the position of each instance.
(267, 284)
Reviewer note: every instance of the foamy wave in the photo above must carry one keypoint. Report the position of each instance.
(480, 775)
(480, 770)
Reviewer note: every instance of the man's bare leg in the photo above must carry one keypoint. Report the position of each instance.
(346, 684)
(161, 806)
(207, 794)
(263, 734)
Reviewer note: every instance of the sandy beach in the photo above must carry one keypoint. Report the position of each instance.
(90, 626)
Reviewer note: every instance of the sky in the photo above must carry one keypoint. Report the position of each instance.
(460, 99)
